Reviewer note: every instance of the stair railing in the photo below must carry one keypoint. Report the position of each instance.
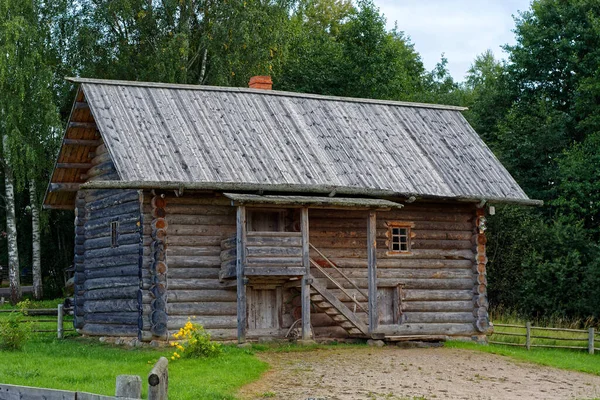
(336, 283)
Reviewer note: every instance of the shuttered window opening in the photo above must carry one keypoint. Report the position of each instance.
(114, 234)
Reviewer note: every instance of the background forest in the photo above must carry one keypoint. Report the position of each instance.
(539, 111)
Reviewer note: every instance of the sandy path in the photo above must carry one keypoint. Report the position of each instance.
(432, 373)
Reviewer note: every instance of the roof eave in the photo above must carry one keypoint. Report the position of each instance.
(296, 188)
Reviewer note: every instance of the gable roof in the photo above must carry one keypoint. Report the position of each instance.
(221, 137)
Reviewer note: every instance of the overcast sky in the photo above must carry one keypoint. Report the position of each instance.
(461, 29)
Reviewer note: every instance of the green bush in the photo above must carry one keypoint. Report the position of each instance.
(195, 343)
(14, 333)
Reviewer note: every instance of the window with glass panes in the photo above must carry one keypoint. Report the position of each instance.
(399, 239)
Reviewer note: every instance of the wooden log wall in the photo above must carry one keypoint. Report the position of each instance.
(480, 299)
(79, 262)
(438, 273)
(108, 301)
(196, 226)
(158, 269)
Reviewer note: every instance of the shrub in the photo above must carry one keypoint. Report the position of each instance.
(194, 342)
(14, 333)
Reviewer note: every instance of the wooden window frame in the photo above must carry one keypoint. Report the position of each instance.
(392, 225)
(114, 233)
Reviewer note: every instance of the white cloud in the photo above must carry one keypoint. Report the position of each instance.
(461, 29)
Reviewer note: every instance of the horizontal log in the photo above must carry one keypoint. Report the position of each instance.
(105, 283)
(192, 241)
(433, 306)
(124, 270)
(405, 273)
(100, 169)
(260, 251)
(193, 251)
(453, 329)
(197, 309)
(360, 224)
(99, 221)
(274, 271)
(114, 198)
(105, 242)
(272, 261)
(127, 249)
(196, 220)
(192, 273)
(116, 318)
(198, 284)
(125, 292)
(193, 262)
(113, 305)
(174, 323)
(195, 295)
(130, 209)
(199, 210)
(273, 241)
(194, 198)
(334, 254)
(101, 158)
(109, 175)
(106, 262)
(93, 329)
(436, 295)
(437, 317)
(410, 284)
(73, 165)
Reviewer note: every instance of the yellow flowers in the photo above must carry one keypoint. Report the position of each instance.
(193, 341)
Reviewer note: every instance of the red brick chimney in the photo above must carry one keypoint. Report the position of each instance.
(261, 82)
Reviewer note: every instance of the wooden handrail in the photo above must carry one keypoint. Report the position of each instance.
(314, 263)
(339, 271)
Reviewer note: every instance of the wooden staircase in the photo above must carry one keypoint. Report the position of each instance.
(342, 315)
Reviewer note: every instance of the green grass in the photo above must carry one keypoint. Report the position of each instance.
(564, 359)
(90, 366)
(35, 304)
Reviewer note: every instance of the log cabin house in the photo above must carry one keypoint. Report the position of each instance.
(261, 213)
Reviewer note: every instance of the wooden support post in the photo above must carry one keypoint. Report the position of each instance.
(306, 331)
(128, 387)
(372, 270)
(59, 327)
(528, 335)
(158, 380)
(240, 265)
(591, 341)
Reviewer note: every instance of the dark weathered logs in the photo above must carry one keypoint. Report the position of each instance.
(125, 292)
(114, 318)
(125, 270)
(109, 330)
(112, 305)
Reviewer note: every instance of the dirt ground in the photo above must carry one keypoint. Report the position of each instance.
(429, 373)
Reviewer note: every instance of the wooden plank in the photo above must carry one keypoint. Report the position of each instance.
(372, 270)
(240, 266)
(305, 289)
(275, 271)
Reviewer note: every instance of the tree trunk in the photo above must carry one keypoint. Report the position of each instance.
(11, 228)
(36, 245)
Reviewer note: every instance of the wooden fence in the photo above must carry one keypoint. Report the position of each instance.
(532, 337)
(59, 312)
(128, 387)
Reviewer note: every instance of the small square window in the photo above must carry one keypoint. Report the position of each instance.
(399, 239)
(114, 234)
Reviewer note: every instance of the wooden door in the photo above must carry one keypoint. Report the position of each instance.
(388, 304)
(264, 308)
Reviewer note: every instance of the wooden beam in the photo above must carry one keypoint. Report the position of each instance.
(59, 207)
(83, 125)
(81, 105)
(306, 331)
(64, 187)
(240, 265)
(82, 142)
(74, 165)
(372, 270)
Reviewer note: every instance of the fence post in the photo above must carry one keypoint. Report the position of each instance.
(59, 328)
(158, 380)
(128, 387)
(591, 341)
(528, 335)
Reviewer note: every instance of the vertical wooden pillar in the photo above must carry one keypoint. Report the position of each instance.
(240, 265)
(306, 331)
(372, 272)
(591, 335)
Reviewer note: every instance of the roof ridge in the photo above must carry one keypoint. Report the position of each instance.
(262, 92)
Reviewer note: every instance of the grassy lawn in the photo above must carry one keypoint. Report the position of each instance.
(90, 366)
(565, 359)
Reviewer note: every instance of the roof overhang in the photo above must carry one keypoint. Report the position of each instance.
(310, 201)
(330, 191)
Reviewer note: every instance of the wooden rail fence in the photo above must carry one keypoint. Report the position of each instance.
(531, 337)
(59, 312)
(128, 387)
